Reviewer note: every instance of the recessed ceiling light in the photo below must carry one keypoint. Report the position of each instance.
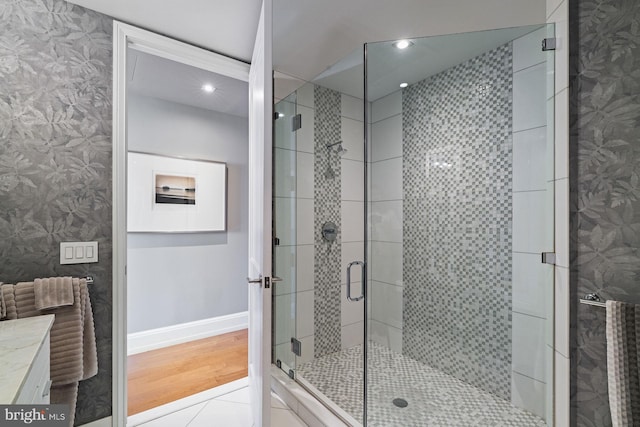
(208, 88)
(402, 44)
(403, 85)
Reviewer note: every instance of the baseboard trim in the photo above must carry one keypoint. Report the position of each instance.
(102, 422)
(139, 342)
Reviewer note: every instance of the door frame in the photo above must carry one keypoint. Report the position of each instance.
(125, 35)
(260, 219)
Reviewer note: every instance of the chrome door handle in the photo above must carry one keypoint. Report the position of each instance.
(258, 280)
(361, 296)
(276, 279)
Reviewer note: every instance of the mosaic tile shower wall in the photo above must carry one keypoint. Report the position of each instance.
(457, 180)
(327, 176)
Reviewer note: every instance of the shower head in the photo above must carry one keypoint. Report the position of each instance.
(341, 150)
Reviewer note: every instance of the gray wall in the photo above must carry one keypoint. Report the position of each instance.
(605, 185)
(55, 157)
(178, 278)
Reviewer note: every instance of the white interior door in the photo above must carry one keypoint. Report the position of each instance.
(260, 141)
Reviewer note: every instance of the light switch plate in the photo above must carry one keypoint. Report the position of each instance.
(78, 252)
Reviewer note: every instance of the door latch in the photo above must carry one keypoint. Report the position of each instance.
(548, 44)
(549, 258)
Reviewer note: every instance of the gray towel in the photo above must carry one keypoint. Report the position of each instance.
(9, 301)
(53, 292)
(3, 307)
(66, 394)
(623, 327)
(73, 342)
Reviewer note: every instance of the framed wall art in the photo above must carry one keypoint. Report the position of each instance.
(175, 195)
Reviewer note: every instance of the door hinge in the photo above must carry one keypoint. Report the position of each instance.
(296, 122)
(549, 258)
(548, 44)
(292, 374)
(296, 347)
(276, 241)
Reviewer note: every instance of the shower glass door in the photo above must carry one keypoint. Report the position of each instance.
(442, 211)
(319, 228)
(285, 234)
(461, 206)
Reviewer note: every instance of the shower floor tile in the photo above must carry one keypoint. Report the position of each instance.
(434, 398)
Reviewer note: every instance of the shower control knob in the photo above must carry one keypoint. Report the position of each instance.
(329, 231)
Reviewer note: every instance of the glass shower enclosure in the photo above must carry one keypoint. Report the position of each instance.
(413, 199)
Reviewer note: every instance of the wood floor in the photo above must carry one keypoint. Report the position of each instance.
(161, 376)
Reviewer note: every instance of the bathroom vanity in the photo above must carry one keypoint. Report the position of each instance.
(24, 360)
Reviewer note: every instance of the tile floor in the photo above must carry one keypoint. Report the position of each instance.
(434, 398)
(228, 410)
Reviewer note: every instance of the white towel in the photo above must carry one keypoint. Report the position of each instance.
(623, 329)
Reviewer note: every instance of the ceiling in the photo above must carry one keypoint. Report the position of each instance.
(227, 27)
(310, 36)
(151, 75)
(389, 66)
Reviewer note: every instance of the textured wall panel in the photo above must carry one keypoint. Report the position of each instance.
(457, 180)
(55, 157)
(605, 185)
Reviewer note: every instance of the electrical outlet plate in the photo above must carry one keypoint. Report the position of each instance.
(78, 252)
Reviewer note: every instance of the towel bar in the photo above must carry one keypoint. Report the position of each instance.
(593, 299)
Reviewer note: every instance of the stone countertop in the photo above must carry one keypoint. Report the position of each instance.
(20, 341)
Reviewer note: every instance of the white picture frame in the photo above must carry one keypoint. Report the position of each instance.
(175, 195)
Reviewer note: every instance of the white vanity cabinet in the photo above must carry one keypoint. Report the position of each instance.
(24, 360)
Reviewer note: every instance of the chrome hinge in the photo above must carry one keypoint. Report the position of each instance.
(296, 347)
(296, 122)
(549, 258)
(548, 44)
(292, 374)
